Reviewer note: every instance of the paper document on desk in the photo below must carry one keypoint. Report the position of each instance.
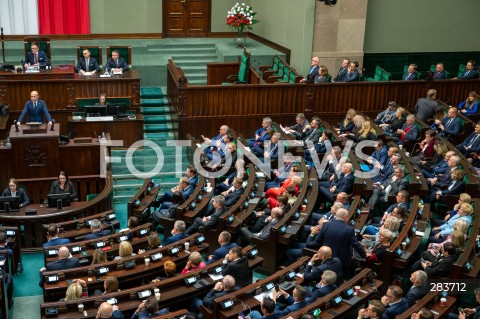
(216, 277)
(118, 72)
(105, 75)
(283, 129)
(264, 294)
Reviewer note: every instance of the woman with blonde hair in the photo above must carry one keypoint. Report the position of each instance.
(367, 132)
(358, 121)
(99, 257)
(125, 249)
(194, 262)
(347, 125)
(77, 289)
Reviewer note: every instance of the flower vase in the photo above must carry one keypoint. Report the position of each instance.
(240, 39)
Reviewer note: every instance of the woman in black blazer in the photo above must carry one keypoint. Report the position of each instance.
(395, 123)
(13, 190)
(63, 185)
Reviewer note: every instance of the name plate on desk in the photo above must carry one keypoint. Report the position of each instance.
(82, 140)
(99, 119)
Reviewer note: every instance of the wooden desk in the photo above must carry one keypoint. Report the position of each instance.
(129, 131)
(40, 156)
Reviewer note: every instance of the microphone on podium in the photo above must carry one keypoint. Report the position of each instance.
(15, 122)
(53, 125)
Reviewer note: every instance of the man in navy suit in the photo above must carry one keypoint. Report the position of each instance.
(235, 264)
(470, 72)
(471, 144)
(352, 73)
(296, 301)
(215, 142)
(107, 311)
(394, 303)
(341, 238)
(436, 183)
(97, 231)
(298, 127)
(261, 135)
(233, 194)
(450, 125)
(313, 72)
(64, 262)
(271, 152)
(409, 131)
(392, 185)
(327, 262)
(411, 75)
(225, 245)
(116, 63)
(380, 155)
(325, 286)
(178, 233)
(191, 174)
(183, 187)
(342, 72)
(87, 63)
(268, 309)
(209, 221)
(439, 72)
(52, 235)
(419, 288)
(35, 108)
(35, 56)
(328, 190)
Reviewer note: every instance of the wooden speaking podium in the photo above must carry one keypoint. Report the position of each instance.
(35, 151)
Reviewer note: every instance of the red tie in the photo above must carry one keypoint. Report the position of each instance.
(402, 137)
(35, 59)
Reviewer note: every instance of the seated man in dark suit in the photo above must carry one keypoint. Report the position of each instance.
(419, 287)
(52, 236)
(107, 311)
(209, 221)
(271, 151)
(470, 72)
(245, 235)
(342, 72)
(261, 135)
(294, 302)
(325, 286)
(352, 73)
(326, 262)
(473, 313)
(116, 63)
(450, 125)
(297, 129)
(328, 190)
(437, 269)
(178, 233)
(97, 232)
(439, 73)
(87, 64)
(64, 262)
(149, 309)
(409, 131)
(375, 310)
(391, 186)
(435, 184)
(233, 194)
(411, 73)
(221, 288)
(236, 265)
(393, 302)
(224, 241)
(471, 144)
(35, 56)
(268, 309)
(311, 132)
(184, 187)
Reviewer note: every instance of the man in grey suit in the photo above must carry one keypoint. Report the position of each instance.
(245, 235)
(394, 184)
(426, 107)
(206, 222)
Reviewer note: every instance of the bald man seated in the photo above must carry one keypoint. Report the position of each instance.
(65, 261)
(107, 311)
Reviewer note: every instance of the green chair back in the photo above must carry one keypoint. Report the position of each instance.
(276, 60)
(242, 72)
(43, 44)
(292, 77)
(286, 73)
(125, 52)
(461, 70)
(280, 69)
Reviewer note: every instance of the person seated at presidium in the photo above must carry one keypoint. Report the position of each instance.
(35, 56)
(116, 63)
(87, 64)
(14, 190)
(439, 73)
(470, 72)
(313, 71)
(323, 75)
(64, 185)
(102, 100)
(35, 108)
(411, 73)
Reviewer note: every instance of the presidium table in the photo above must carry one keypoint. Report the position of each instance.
(61, 89)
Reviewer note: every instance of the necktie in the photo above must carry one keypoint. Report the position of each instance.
(273, 148)
(472, 142)
(466, 73)
(87, 62)
(35, 105)
(35, 58)
(448, 123)
(116, 63)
